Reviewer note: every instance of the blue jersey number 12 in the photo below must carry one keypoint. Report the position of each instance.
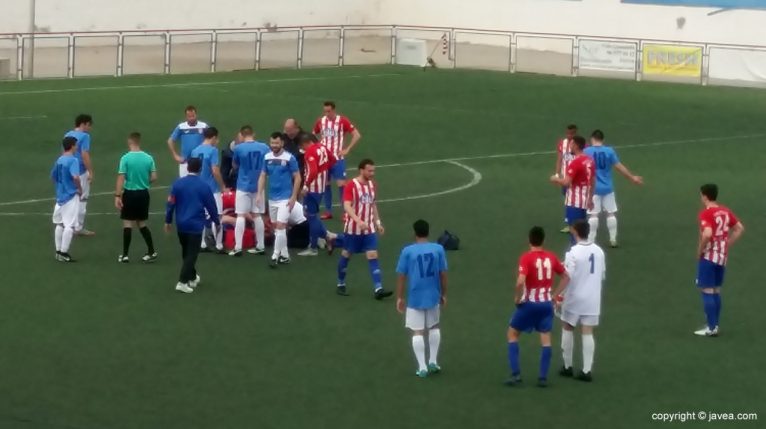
(426, 265)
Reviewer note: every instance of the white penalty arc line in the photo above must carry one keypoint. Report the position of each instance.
(468, 158)
(476, 178)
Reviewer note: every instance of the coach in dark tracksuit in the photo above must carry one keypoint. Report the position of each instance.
(189, 198)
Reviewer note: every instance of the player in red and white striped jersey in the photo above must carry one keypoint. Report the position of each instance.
(332, 129)
(563, 158)
(361, 228)
(317, 161)
(579, 181)
(719, 229)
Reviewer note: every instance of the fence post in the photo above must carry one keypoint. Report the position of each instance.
(342, 47)
(70, 56)
(166, 67)
(514, 52)
(640, 61)
(705, 70)
(394, 36)
(299, 62)
(576, 56)
(120, 54)
(257, 50)
(19, 57)
(452, 48)
(213, 51)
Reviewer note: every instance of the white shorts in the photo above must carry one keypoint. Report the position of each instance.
(66, 214)
(279, 213)
(246, 203)
(419, 319)
(606, 203)
(85, 185)
(575, 319)
(182, 170)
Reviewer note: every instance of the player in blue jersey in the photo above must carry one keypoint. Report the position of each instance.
(190, 135)
(81, 132)
(66, 177)
(248, 160)
(284, 179)
(207, 152)
(423, 267)
(605, 159)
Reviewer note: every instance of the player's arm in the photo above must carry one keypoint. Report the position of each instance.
(705, 236)
(74, 171)
(88, 166)
(401, 280)
(562, 181)
(118, 190)
(638, 180)
(175, 136)
(170, 208)
(211, 206)
(261, 186)
(297, 183)
(355, 137)
(736, 232)
(443, 277)
(519, 290)
(563, 283)
(378, 221)
(559, 160)
(218, 178)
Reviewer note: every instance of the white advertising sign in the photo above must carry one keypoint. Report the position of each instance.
(736, 64)
(610, 56)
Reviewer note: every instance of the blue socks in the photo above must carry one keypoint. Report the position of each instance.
(328, 197)
(374, 267)
(711, 309)
(342, 266)
(513, 358)
(545, 362)
(316, 230)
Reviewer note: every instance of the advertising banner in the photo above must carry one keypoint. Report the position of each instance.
(609, 56)
(671, 60)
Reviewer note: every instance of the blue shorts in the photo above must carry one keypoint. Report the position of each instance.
(530, 316)
(338, 171)
(311, 203)
(574, 214)
(358, 243)
(709, 274)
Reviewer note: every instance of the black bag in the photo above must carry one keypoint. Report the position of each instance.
(449, 241)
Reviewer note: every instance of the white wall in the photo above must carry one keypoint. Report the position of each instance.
(589, 17)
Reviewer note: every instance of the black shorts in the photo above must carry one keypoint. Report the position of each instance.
(135, 205)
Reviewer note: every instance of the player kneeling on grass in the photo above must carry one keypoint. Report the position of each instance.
(423, 267)
(191, 200)
(581, 304)
(534, 306)
(135, 175)
(66, 176)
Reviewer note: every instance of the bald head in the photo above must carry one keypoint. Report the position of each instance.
(291, 127)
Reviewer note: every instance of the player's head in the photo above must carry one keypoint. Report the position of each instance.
(579, 144)
(211, 135)
(536, 236)
(191, 115)
(194, 165)
(422, 229)
(246, 132)
(69, 144)
(329, 109)
(291, 127)
(134, 139)
(307, 140)
(367, 169)
(275, 142)
(581, 229)
(571, 131)
(709, 192)
(83, 122)
(597, 137)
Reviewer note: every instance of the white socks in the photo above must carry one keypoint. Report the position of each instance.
(66, 239)
(280, 243)
(57, 235)
(588, 349)
(611, 224)
(239, 233)
(434, 338)
(593, 222)
(218, 234)
(419, 347)
(567, 347)
(82, 209)
(260, 229)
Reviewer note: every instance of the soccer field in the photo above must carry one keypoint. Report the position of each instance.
(99, 344)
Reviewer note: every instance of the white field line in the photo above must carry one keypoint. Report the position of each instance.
(475, 180)
(193, 84)
(467, 158)
(19, 118)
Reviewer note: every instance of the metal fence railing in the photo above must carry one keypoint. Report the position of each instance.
(120, 53)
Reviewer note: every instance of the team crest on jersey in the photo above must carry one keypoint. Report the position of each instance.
(366, 199)
(283, 163)
(329, 132)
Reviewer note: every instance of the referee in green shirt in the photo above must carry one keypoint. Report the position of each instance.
(131, 196)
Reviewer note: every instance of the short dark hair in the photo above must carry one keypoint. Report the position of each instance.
(421, 227)
(572, 127)
(277, 135)
(82, 118)
(68, 143)
(246, 130)
(579, 141)
(190, 108)
(710, 190)
(329, 103)
(365, 162)
(308, 138)
(194, 165)
(581, 228)
(536, 236)
(210, 132)
(135, 136)
(598, 135)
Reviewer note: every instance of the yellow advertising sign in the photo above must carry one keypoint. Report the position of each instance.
(672, 60)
